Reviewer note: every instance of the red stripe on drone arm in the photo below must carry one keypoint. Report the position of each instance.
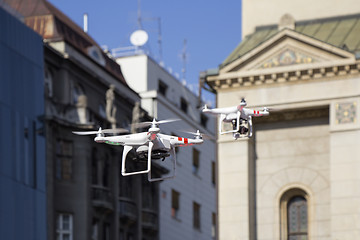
(179, 139)
(185, 140)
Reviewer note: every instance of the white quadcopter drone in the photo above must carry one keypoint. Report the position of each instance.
(240, 118)
(147, 145)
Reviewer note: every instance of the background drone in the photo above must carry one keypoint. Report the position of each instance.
(239, 116)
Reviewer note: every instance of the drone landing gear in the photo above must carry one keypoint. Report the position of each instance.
(172, 153)
(127, 149)
(123, 164)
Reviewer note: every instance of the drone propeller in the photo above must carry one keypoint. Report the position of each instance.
(153, 123)
(200, 135)
(102, 131)
(271, 109)
(204, 107)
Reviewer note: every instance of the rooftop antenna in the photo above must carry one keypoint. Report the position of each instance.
(160, 39)
(139, 37)
(184, 58)
(139, 14)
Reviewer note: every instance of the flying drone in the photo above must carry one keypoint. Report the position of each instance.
(239, 116)
(147, 145)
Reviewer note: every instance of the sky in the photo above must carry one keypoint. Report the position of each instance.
(211, 29)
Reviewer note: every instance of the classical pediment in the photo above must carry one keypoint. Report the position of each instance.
(288, 56)
(285, 49)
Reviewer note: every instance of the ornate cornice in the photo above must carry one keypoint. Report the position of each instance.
(283, 74)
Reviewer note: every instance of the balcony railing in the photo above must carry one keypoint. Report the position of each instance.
(149, 219)
(102, 197)
(127, 209)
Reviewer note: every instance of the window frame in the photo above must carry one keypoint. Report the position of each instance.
(175, 203)
(60, 231)
(196, 161)
(77, 91)
(162, 87)
(284, 201)
(62, 158)
(213, 173)
(203, 120)
(184, 105)
(196, 216)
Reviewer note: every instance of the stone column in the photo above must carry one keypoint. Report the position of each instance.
(233, 164)
(345, 169)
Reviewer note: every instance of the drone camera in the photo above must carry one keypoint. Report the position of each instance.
(243, 130)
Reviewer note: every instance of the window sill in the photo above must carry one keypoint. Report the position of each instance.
(197, 176)
(176, 219)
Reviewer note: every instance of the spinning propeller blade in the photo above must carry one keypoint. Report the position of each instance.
(100, 131)
(154, 122)
(199, 134)
(270, 109)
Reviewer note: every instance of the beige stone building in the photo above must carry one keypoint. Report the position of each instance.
(298, 177)
(262, 12)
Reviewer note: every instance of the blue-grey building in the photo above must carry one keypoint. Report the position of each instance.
(22, 145)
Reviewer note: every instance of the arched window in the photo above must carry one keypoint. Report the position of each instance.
(297, 218)
(77, 92)
(294, 215)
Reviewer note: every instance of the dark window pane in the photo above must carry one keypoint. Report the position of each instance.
(297, 218)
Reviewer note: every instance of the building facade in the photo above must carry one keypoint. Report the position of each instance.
(298, 176)
(23, 192)
(188, 201)
(84, 88)
(256, 12)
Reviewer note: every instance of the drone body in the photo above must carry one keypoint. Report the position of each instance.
(148, 145)
(240, 118)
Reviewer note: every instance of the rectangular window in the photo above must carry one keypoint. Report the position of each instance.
(203, 120)
(162, 88)
(64, 226)
(196, 163)
(213, 226)
(213, 173)
(106, 231)
(95, 229)
(196, 215)
(64, 155)
(183, 105)
(175, 203)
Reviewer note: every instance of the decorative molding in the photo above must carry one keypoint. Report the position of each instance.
(287, 57)
(293, 74)
(345, 112)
